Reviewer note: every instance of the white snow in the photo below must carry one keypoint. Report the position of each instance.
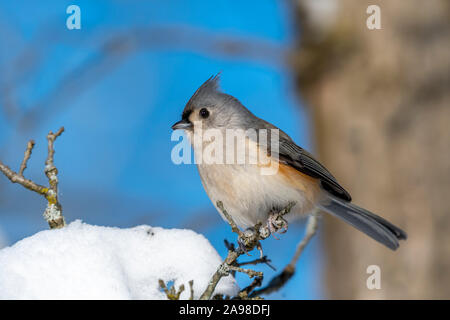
(82, 261)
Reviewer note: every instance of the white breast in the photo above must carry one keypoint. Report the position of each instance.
(249, 196)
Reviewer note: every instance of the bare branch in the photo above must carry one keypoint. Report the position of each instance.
(53, 211)
(311, 229)
(264, 260)
(244, 293)
(281, 279)
(51, 137)
(249, 272)
(247, 242)
(26, 157)
(231, 222)
(222, 271)
(50, 169)
(16, 178)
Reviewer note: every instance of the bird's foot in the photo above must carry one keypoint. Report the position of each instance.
(276, 224)
(247, 240)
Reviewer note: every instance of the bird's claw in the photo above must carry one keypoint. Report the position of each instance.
(276, 224)
(247, 239)
(259, 247)
(242, 247)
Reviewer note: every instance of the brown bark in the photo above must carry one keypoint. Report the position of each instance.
(380, 103)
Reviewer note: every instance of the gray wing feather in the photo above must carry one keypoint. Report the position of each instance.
(301, 160)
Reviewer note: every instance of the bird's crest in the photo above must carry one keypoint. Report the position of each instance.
(210, 85)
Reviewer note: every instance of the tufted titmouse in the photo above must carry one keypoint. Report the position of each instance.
(249, 195)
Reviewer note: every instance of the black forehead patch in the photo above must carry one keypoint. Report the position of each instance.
(186, 113)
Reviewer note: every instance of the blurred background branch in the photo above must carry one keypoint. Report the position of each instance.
(112, 51)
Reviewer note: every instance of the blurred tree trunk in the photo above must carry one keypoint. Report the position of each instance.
(380, 104)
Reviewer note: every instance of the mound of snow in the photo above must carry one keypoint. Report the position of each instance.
(82, 261)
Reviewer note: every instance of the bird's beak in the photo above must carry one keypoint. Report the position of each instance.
(182, 124)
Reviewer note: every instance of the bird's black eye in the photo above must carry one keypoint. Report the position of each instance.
(204, 113)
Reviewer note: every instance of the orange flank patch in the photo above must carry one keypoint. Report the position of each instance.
(300, 181)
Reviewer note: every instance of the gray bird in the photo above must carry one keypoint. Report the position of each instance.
(250, 196)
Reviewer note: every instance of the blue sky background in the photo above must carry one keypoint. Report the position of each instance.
(114, 158)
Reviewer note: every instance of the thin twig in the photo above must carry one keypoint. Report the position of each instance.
(264, 260)
(16, 178)
(249, 272)
(243, 294)
(26, 157)
(162, 286)
(231, 222)
(191, 287)
(171, 293)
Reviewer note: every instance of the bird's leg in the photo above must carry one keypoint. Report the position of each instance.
(246, 239)
(259, 247)
(276, 223)
(243, 248)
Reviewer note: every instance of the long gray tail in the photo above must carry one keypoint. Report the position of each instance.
(374, 226)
